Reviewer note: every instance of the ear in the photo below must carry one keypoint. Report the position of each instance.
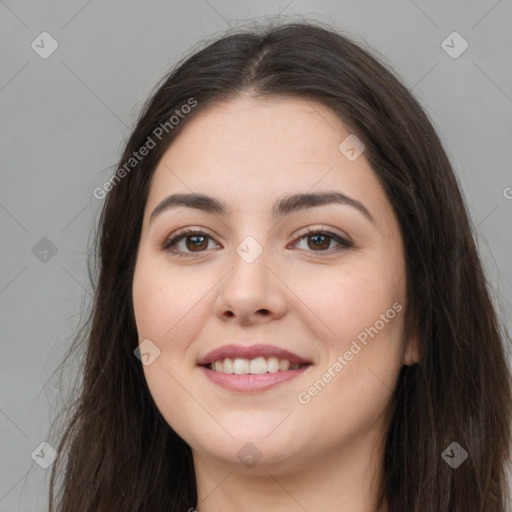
(412, 350)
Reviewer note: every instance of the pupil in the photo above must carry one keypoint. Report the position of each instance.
(317, 237)
(195, 238)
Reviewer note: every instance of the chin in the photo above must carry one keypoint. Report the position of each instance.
(257, 447)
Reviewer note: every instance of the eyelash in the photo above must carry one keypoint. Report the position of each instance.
(168, 244)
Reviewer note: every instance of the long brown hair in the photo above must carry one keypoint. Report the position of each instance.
(116, 451)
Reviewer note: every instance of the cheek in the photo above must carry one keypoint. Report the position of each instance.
(165, 300)
(165, 314)
(363, 308)
(351, 390)
(355, 298)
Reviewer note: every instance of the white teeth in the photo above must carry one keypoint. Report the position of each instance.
(240, 365)
(272, 364)
(218, 366)
(256, 366)
(228, 366)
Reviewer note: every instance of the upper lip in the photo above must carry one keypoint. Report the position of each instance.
(250, 352)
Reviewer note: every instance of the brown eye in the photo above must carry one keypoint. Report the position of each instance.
(197, 242)
(194, 242)
(188, 242)
(320, 241)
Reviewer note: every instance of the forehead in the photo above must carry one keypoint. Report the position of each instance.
(250, 151)
(288, 128)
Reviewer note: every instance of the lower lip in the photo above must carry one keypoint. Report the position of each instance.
(248, 382)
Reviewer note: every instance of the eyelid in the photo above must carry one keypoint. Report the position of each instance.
(323, 229)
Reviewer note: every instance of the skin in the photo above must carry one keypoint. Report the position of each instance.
(325, 455)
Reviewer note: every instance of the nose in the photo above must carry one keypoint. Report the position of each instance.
(251, 292)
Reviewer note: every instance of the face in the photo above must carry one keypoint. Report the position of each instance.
(323, 280)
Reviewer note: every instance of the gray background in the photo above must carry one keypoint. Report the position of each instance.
(64, 120)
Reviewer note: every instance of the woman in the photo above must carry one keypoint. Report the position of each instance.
(290, 311)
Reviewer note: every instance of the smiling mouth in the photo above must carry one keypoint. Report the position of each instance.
(257, 366)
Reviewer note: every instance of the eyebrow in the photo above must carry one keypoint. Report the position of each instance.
(283, 206)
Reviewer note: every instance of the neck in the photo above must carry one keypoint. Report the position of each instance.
(344, 479)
